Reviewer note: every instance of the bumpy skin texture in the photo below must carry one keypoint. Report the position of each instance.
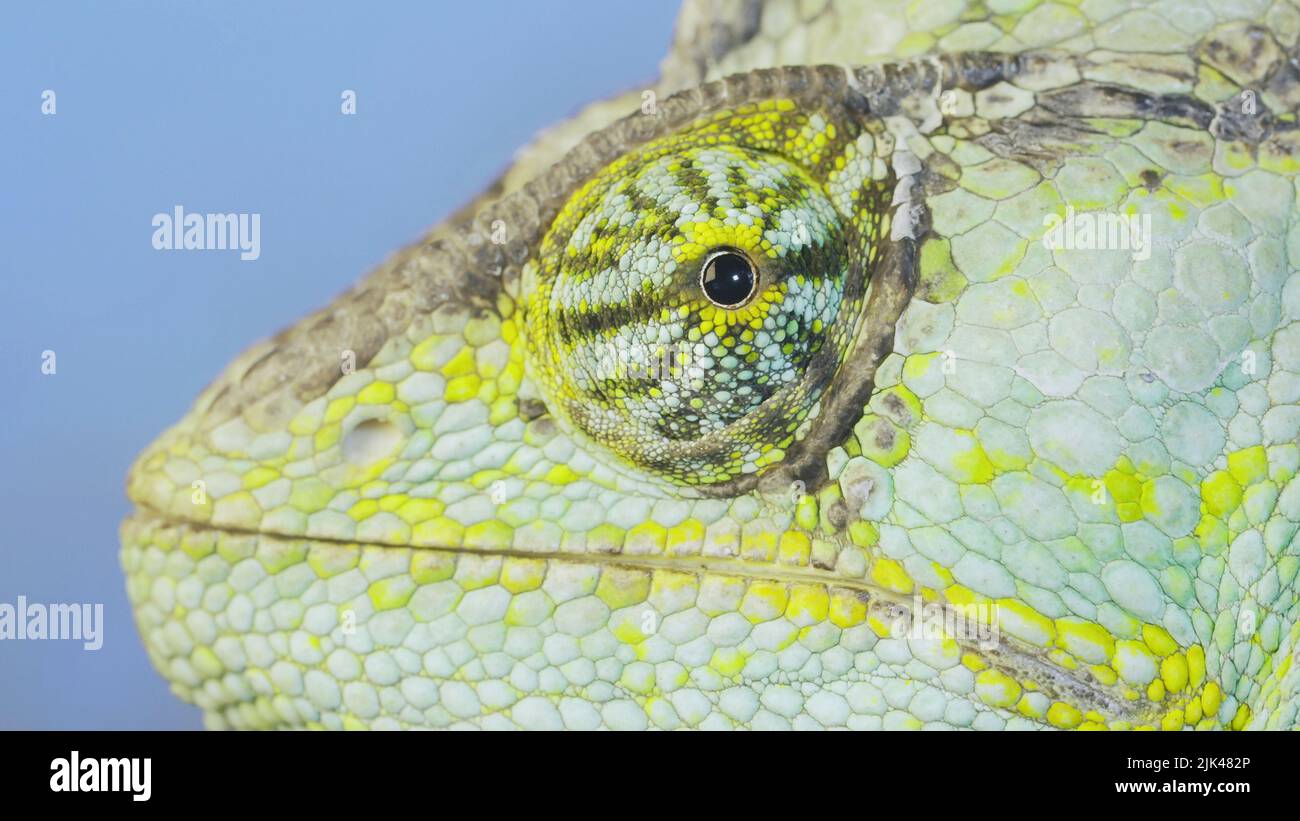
(1092, 451)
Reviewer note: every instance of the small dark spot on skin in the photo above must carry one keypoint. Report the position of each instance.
(1150, 179)
(859, 491)
(530, 409)
(822, 565)
(894, 404)
(861, 595)
(885, 436)
(544, 426)
(838, 515)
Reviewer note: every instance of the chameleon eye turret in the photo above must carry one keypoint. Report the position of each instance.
(690, 302)
(728, 278)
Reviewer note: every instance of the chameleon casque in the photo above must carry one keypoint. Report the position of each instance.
(726, 394)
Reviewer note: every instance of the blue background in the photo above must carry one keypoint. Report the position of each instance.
(221, 107)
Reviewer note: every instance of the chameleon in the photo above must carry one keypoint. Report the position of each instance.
(915, 365)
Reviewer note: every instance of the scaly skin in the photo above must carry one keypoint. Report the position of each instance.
(486, 523)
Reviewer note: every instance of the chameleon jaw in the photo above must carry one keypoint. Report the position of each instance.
(166, 562)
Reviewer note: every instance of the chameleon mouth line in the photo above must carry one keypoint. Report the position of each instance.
(718, 565)
(1006, 653)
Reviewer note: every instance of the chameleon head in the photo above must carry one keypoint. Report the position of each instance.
(687, 417)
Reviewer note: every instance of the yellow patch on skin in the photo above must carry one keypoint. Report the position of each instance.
(503, 410)
(414, 511)
(1220, 493)
(1156, 690)
(963, 597)
(510, 379)
(304, 424)
(561, 475)
(259, 476)
(764, 601)
(728, 661)
(338, 408)
(622, 587)
(1202, 191)
(805, 513)
(758, 545)
(1173, 671)
(973, 662)
(329, 560)
(1025, 622)
(428, 567)
(462, 364)
(1086, 640)
(197, 545)
(521, 575)
(1103, 674)
(1248, 466)
(809, 604)
(864, 533)
(391, 593)
(997, 689)
(363, 509)
(1063, 659)
(424, 355)
(917, 365)
(281, 555)
(1029, 708)
(794, 548)
(438, 532)
(685, 539)
(627, 631)
(847, 609)
(666, 582)
(1159, 640)
(1211, 698)
(647, 537)
(326, 438)
(972, 465)
(605, 539)
(1123, 487)
(1241, 717)
(890, 575)
(377, 393)
(879, 627)
(463, 388)
(1173, 720)
(489, 535)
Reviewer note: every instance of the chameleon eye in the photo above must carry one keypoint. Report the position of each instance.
(691, 301)
(728, 278)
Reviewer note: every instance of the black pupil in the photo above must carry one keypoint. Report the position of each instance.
(728, 279)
